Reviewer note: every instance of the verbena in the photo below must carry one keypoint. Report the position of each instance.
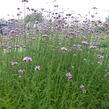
(65, 67)
(49, 87)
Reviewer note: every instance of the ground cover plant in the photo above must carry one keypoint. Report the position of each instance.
(55, 67)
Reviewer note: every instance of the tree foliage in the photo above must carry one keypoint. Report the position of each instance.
(34, 17)
(107, 19)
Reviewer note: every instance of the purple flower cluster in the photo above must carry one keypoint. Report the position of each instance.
(44, 35)
(27, 59)
(24, 0)
(14, 63)
(85, 42)
(37, 68)
(82, 86)
(64, 49)
(21, 71)
(107, 74)
(100, 56)
(69, 75)
(93, 46)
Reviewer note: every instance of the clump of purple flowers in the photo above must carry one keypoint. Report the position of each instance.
(37, 68)
(107, 74)
(82, 86)
(72, 33)
(93, 46)
(33, 38)
(12, 33)
(64, 49)
(100, 56)
(69, 75)
(85, 42)
(14, 63)
(44, 35)
(27, 59)
(24, 0)
(21, 72)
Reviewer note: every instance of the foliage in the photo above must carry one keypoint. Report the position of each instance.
(49, 88)
(107, 19)
(33, 18)
(59, 65)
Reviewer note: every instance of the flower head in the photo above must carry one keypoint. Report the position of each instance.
(72, 33)
(100, 56)
(68, 14)
(24, 0)
(81, 86)
(64, 49)
(21, 71)
(85, 42)
(93, 46)
(18, 8)
(69, 75)
(28, 8)
(12, 32)
(27, 59)
(33, 38)
(37, 68)
(44, 35)
(32, 9)
(107, 74)
(14, 63)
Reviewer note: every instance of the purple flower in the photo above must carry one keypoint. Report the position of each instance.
(21, 71)
(68, 14)
(37, 68)
(100, 56)
(27, 59)
(81, 86)
(45, 35)
(14, 63)
(85, 42)
(18, 14)
(107, 74)
(72, 33)
(12, 32)
(69, 75)
(93, 46)
(55, 5)
(32, 9)
(24, 0)
(33, 38)
(64, 49)
(18, 8)
(107, 31)
(28, 8)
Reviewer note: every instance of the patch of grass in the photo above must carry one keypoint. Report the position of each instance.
(49, 88)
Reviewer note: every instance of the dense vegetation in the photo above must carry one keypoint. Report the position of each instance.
(55, 66)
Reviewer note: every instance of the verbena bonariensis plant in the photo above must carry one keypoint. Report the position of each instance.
(60, 68)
